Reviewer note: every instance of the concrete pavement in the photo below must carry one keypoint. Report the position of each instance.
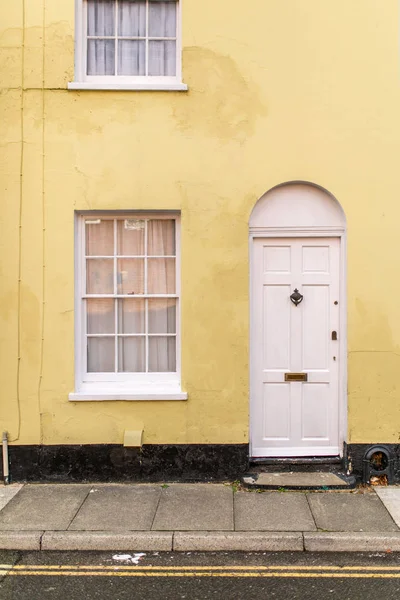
(196, 517)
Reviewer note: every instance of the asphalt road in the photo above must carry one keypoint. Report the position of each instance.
(199, 576)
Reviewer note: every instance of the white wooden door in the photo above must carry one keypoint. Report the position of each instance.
(295, 418)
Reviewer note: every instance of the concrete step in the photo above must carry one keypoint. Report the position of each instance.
(299, 480)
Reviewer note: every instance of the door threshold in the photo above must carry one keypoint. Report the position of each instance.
(297, 460)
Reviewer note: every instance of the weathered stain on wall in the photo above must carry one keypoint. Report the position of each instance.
(224, 103)
(295, 91)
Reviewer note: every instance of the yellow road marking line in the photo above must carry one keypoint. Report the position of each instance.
(290, 568)
(254, 574)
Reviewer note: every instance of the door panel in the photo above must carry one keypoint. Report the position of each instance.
(315, 412)
(277, 259)
(315, 327)
(296, 418)
(276, 328)
(276, 417)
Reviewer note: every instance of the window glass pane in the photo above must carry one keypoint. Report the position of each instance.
(131, 354)
(100, 316)
(131, 276)
(99, 237)
(101, 57)
(130, 237)
(131, 18)
(131, 316)
(99, 276)
(100, 355)
(101, 17)
(161, 276)
(161, 238)
(162, 19)
(162, 316)
(131, 57)
(162, 354)
(162, 58)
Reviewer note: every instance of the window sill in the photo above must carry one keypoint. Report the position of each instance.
(160, 87)
(121, 395)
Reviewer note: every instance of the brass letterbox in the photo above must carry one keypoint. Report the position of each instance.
(295, 376)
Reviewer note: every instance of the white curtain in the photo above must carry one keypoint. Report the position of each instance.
(162, 24)
(111, 317)
(124, 20)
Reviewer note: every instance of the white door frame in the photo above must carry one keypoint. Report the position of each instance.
(299, 232)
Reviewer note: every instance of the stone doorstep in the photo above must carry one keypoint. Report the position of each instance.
(299, 480)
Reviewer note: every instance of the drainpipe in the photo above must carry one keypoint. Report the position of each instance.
(6, 477)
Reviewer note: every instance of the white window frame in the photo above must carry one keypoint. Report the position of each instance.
(115, 82)
(120, 386)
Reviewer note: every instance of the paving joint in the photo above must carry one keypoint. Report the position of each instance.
(312, 514)
(78, 509)
(155, 512)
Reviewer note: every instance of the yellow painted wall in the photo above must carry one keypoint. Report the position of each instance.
(279, 90)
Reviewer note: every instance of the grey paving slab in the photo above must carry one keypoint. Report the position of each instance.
(7, 492)
(272, 511)
(118, 508)
(40, 507)
(20, 540)
(195, 507)
(390, 496)
(336, 511)
(247, 542)
(107, 540)
(322, 541)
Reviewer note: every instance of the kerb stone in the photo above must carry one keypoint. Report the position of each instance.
(323, 541)
(106, 540)
(229, 541)
(20, 540)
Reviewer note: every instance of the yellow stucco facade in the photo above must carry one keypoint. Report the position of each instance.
(277, 91)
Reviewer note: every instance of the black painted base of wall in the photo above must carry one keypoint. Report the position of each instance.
(151, 463)
(114, 463)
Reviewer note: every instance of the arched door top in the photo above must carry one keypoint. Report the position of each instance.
(297, 206)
